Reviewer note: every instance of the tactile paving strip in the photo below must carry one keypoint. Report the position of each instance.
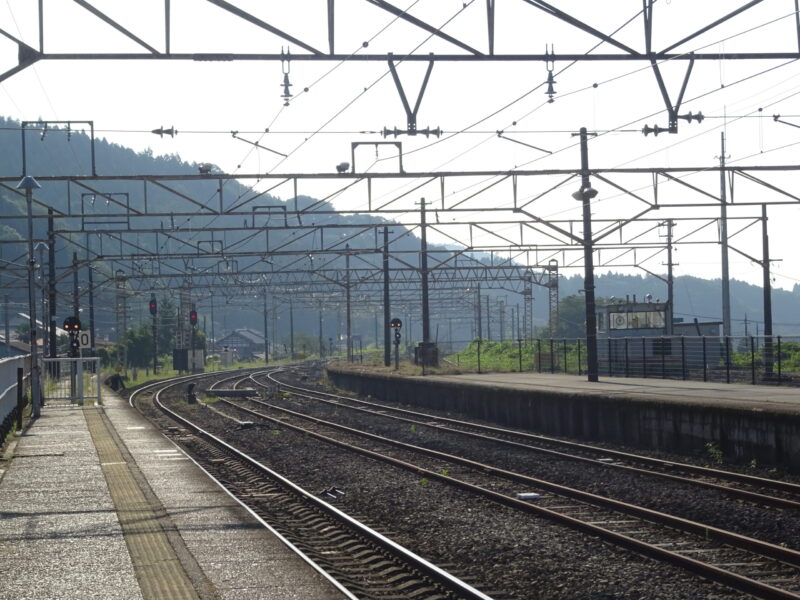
(158, 569)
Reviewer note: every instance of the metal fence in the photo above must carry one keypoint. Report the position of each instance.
(9, 368)
(771, 360)
(71, 380)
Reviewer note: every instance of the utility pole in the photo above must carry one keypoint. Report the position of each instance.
(321, 342)
(291, 326)
(527, 323)
(91, 310)
(122, 319)
(266, 329)
(6, 325)
(29, 184)
(552, 294)
(193, 323)
(211, 315)
(488, 321)
(723, 234)
(387, 342)
(585, 195)
(670, 281)
(427, 350)
(75, 298)
(347, 302)
(502, 309)
(450, 332)
(154, 325)
(45, 338)
(767, 293)
(478, 310)
(426, 326)
(51, 282)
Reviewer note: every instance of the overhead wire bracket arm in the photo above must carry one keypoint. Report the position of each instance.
(502, 136)
(672, 109)
(411, 115)
(777, 119)
(235, 135)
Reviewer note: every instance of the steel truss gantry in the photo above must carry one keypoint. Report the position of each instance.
(479, 48)
(140, 224)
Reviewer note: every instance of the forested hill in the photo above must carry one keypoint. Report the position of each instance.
(702, 298)
(61, 154)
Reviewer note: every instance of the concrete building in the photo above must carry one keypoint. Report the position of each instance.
(245, 343)
(632, 338)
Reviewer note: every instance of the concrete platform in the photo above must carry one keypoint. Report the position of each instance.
(724, 395)
(747, 422)
(96, 503)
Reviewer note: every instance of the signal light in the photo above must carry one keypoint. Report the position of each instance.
(153, 305)
(193, 318)
(72, 324)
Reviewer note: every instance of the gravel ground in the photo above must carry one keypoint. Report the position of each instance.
(504, 552)
(775, 525)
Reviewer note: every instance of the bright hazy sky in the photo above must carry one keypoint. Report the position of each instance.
(346, 101)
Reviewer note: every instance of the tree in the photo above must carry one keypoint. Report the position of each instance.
(571, 317)
(167, 320)
(139, 346)
(23, 332)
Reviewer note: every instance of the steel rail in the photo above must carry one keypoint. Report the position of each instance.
(715, 573)
(436, 574)
(744, 494)
(707, 471)
(765, 548)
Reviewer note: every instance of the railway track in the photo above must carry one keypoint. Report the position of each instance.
(364, 563)
(740, 562)
(759, 490)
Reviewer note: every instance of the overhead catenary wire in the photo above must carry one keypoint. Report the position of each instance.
(266, 130)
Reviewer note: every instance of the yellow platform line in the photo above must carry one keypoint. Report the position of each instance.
(157, 567)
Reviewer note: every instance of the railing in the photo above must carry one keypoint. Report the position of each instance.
(9, 409)
(773, 360)
(71, 380)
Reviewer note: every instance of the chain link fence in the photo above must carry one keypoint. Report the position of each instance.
(756, 360)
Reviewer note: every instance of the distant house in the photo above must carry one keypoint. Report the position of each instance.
(244, 342)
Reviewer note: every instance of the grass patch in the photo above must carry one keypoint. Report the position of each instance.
(374, 363)
(137, 377)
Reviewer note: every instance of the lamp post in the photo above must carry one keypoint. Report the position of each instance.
(29, 184)
(585, 195)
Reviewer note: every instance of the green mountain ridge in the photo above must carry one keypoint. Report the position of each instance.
(58, 154)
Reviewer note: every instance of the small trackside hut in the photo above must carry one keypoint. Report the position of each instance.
(633, 340)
